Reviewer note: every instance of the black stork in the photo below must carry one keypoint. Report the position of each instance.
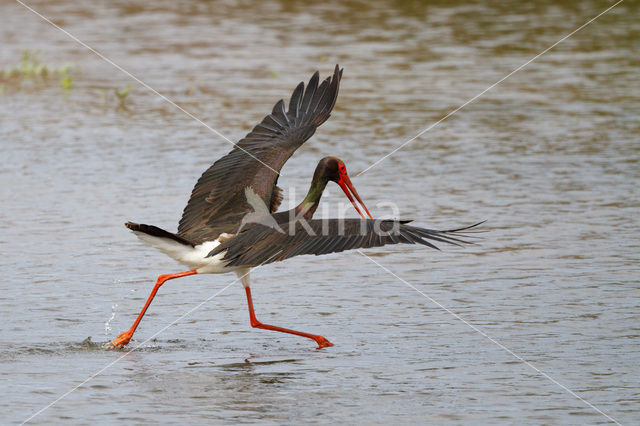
(230, 223)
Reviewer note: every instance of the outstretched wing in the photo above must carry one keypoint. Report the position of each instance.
(218, 200)
(260, 244)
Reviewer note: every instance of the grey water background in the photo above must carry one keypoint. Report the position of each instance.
(549, 157)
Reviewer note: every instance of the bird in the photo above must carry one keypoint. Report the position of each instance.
(231, 223)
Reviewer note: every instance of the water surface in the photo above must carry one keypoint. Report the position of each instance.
(549, 157)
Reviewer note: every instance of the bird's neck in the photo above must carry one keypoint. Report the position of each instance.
(310, 203)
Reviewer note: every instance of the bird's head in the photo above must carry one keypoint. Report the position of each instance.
(334, 169)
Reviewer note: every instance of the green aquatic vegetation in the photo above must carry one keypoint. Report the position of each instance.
(33, 73)
(65, 82)
(122, 95)
(33, 70)
(114, 97)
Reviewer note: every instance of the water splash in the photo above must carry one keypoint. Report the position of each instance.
(107, 327)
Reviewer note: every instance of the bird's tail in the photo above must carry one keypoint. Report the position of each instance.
(149, 233)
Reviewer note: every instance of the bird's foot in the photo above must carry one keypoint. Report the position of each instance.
(120, 341)
(322, 342)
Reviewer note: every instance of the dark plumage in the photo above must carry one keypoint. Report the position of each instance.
(259, 244)
(218, 201)
(154, 231)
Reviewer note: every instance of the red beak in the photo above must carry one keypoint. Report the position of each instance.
(346, 185)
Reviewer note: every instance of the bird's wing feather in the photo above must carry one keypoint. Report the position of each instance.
(276, 199)
(218, 201)
(259, 244)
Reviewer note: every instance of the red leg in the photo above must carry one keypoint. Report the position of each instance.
(321, 341)
(124, 338)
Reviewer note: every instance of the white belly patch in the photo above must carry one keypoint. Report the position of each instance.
(194, 257)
